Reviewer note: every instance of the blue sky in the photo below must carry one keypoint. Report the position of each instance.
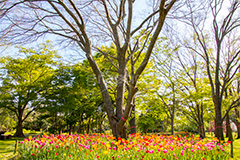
(11, 50)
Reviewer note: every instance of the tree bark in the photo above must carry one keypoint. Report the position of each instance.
(201, 129)
(121, 85)
(218, 119)
(226, 125)
(19, 127)
(172, 124)
(70, 129)
(104, 90)
(117, 122)
(89, 125)
(229, 129)
(202, 133)
(100, 129)
(132, 121)
(237, 123)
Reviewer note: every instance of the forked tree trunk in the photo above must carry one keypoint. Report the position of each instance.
(123, 110)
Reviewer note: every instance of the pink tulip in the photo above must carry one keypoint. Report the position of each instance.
(182, 152)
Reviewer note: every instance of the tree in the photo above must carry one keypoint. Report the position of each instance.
(74, 21)
(7, 121)
(24, 80)
(233, 92)
(221, 60)
(72, 98)
(168, 93)
(196, 92)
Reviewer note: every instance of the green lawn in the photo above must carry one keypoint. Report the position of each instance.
(236, 150)
(7, 148)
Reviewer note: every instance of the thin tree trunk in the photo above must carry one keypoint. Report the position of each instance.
(237, 123)
(200, 122)
(201, 130)
(59, 127)
(80, 126)
(88, 125)
(227, 118)
(100, 130)
(70, 129)
(229, 129)
(226, 125)
(203, 135)
(172, 124)
(229, 132)
(173, 109)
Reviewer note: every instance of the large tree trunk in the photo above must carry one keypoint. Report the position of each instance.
(121, 86)
(19, 127)
(219, 129)
(105, 94)
(132, 121)
(218, 119)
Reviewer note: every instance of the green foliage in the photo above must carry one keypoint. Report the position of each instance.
(7, 120)
(25, 77)
(72, 100)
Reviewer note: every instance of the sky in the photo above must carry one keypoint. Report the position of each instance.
(69, 54)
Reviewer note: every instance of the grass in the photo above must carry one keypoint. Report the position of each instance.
(7, 148)
(236, 150)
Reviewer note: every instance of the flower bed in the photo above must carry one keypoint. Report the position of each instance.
(104, 146)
